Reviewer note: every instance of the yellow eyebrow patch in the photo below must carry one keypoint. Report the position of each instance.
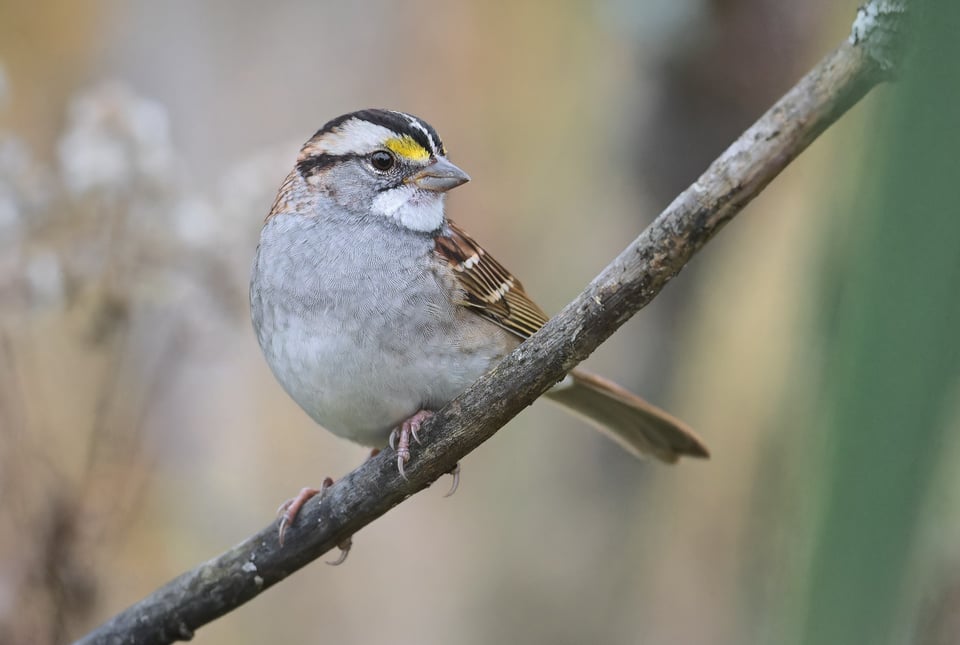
(405, 146)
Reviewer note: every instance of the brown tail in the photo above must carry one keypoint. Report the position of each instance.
(636, 425)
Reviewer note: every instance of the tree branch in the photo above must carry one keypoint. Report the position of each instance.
(631, 281)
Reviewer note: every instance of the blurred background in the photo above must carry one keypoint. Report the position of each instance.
(141, 432)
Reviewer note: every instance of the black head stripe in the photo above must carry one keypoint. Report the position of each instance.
(315, 163)
(400, 122)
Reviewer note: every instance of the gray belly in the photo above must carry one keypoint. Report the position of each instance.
(360, 387)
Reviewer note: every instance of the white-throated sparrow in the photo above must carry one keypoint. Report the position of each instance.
(373, 309)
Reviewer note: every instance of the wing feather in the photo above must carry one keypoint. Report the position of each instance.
(488, 288)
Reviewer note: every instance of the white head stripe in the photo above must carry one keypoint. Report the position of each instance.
(355, 136)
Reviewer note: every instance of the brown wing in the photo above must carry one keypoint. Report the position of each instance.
(488, 288)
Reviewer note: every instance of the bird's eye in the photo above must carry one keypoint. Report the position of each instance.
(382, 160)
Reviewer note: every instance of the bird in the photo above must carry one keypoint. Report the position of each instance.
(373, 309)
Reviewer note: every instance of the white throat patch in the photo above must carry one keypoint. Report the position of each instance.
(411, 207)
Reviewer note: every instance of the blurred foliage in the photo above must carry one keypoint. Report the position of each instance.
(105, 280)
(892, 356)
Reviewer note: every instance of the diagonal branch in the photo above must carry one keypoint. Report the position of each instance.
(631, 281)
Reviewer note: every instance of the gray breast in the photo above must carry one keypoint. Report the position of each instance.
(358, 326)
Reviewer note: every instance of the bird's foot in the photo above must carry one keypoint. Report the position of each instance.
(289, 509)
(400, 437)
(400, 442)
(287, 512)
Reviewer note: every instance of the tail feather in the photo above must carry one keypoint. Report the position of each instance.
(638, 426)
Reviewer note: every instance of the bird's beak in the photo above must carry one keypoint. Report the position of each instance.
(439, 177)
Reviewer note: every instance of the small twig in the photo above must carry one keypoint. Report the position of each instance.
(631, 281)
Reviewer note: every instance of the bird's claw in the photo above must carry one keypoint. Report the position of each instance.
(344, 552)
(455, 473)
